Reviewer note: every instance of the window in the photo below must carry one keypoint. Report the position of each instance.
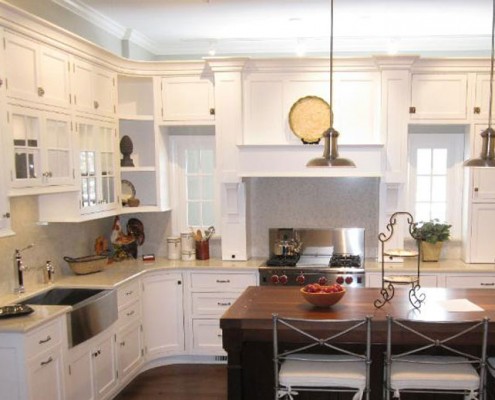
(435, 178)
(194, 195)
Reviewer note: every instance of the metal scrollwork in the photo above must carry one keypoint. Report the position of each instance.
(387, 291)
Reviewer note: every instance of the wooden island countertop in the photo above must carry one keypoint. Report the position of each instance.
(247, 326)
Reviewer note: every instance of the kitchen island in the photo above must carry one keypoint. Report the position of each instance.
(247, 328)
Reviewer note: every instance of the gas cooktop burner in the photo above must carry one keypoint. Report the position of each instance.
(345, 260)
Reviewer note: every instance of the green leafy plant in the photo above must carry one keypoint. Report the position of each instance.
(432, 231)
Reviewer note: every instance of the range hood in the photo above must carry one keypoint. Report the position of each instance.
(290, 160)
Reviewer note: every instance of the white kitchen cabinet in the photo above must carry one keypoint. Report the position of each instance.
(482, 97)
(92, 368)
(482, 185)
(94, 89)
(470, 281)
(42, 144)
(36, 73)
(98, 171)
(29, 360)
(187, 99)
(479, 245)
(163, 317)
(438, 96)
(130, 331)
(210, 295)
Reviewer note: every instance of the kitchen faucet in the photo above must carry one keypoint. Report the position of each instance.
(19, 269)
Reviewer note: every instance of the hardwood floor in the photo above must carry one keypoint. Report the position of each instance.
(179, 382)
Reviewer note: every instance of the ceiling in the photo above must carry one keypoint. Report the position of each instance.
(287, 27)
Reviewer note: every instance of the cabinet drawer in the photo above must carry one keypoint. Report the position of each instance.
(465, 282)
(128, 293)
(44, 338)
(130, 313)
(222, 281)
(214, 304)
(207, 336)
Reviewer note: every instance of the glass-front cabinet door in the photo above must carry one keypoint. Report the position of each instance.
(42, 144)
(97, 166)
(25, 127)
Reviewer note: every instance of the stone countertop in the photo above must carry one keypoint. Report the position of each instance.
(112, 276)
(453, 266)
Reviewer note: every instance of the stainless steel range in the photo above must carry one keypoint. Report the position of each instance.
(325, 256)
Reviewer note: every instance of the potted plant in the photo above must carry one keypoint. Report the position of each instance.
(431, 235)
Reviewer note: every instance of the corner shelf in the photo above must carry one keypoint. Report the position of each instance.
(387, 290)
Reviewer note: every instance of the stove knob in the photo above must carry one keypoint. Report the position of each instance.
(339, 280)
(283, 279)
(322, 281)
(274, 279)
(349, 280)
(300, 279)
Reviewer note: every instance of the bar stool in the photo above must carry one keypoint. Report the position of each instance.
(321, 362)
(436, 363)
(491, 384)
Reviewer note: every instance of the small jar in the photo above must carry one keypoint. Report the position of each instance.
(187, 241)
(173, 248)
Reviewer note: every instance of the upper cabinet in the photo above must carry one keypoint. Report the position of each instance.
(94, 89)
(187, 100)
(482, 97)
(268, 98)
(441, 96)
(42, 148)
(35, 73)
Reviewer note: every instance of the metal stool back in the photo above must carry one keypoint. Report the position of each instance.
(447, 357)
(319, 359)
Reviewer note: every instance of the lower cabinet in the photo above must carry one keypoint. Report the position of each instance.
(163, 317)
(92, 369)
(32, 364)
(479, 246)
(470, 281)
(210, 295)
(129, 350)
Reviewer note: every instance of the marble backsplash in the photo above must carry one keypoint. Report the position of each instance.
(311, 203)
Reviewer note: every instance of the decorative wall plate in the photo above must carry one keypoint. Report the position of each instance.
(309, 118)
(128, 190)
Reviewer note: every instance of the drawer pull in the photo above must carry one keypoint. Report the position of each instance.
(129, 292)
(219, 335)
(130, 313)
(43, 363)
(488, 284)
(224, 304)
(43, 341)
(223, 280)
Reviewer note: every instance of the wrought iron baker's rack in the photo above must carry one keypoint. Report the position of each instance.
(387, 290)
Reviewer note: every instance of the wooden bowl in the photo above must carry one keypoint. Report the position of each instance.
(322, 299)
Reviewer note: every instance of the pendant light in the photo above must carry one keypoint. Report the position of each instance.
(487, 155)
(330, 156)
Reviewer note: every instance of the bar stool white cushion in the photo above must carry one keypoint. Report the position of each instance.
(439, 375)
(333, 372)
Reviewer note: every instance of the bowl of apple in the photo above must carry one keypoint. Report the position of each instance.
(323, 296)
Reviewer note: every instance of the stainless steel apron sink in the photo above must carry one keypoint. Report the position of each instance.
(93, 310)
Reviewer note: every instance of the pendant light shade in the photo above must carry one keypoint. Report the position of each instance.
(330, 157)
(487, 155)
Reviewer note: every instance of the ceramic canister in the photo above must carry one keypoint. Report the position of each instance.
(188, 248)
(173, 248)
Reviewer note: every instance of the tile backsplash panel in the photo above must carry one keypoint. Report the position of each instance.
(311, 203)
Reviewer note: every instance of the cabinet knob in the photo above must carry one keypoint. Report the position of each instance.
(412, 110)
(41, 92)
(96, 105)
(477, 110)
(476, 189)
(6, 215)
(179, 282)
(1, 82)
(212, 111)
